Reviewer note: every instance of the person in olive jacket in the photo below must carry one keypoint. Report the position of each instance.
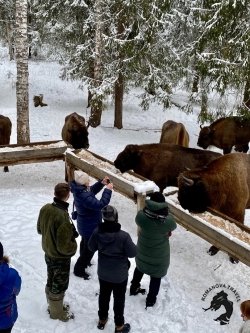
(59, 244)
(155, 225)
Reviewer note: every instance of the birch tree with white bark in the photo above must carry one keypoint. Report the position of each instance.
(22, 84)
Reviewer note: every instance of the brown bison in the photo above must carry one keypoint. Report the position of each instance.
(162, 162)
(224, 185)
(174, 133)
(5, 133)
(225, 133)
(75, 131)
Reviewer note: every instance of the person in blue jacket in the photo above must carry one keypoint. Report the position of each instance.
(88, 209)
(10, 285)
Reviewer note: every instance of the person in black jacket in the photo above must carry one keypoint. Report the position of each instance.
(114, 247)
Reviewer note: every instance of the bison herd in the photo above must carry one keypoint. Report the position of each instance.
(204, 178)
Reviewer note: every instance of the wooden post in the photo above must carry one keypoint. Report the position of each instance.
(140, 199)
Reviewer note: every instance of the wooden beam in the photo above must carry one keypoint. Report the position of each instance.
(95, 170)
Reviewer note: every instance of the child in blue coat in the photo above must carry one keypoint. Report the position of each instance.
(10, 285)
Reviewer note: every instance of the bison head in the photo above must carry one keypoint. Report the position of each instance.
(205, 137)
(127, 159)
(192, 194)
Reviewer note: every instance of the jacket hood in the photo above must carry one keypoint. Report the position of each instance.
(77, 187)
(157, 211)
(107, 231)
(155, 206)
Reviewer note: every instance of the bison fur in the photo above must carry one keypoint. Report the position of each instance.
(225, 133)
(75, 131)
(162, 162)
(174, 133)
(5, 133)
(223, 185)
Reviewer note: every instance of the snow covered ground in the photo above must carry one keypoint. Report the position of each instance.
(194, 277)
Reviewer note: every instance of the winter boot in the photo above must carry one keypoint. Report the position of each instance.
(136, 290)
(56, 308)
(101, 323)
(150, 301)
(123, 329)
(65, 306)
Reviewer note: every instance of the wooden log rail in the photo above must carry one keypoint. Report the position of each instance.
(223, 239)
(99, 167)
(35, 152)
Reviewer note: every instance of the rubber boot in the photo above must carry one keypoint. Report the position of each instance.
(66, 307)
(56, 308)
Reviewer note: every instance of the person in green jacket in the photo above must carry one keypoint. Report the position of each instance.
(155, 225)
(59, 244)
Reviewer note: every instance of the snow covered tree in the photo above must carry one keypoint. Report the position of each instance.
(22, 84)
(7, 24)
(221, 49)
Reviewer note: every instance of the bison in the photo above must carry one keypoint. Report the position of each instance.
(224, 185)
(162, 162)
(75, 131)
(225, 133)
(174, 133)
(5, 133)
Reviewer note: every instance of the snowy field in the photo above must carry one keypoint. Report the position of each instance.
(194, 277)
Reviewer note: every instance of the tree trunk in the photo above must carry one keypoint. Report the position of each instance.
(119, 91)
(119, 84)
(246, 98)
(195, 87)
(22, 85)
(10, 39)
(96, 98)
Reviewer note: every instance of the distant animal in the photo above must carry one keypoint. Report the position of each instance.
(5, 133)
(75, 131)
(224, 184)
(225, 133)
(162, 162)
(174, 133)
(38, 100)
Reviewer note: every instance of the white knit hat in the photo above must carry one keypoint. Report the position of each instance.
(81, 177)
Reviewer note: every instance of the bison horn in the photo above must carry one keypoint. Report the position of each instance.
(188, 181)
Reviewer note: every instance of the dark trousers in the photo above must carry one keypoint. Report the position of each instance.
(85, 257)
(119, 291)
(154, 285)
(57, 274)
(6, 330)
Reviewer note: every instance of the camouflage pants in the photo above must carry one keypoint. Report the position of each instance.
(57, 274)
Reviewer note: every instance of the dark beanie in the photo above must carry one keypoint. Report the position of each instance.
(109, 214)
(157, 197)
(1, 251)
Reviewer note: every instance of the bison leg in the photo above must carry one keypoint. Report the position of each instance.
(6, 169)
(213, 250)
(233, 260)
